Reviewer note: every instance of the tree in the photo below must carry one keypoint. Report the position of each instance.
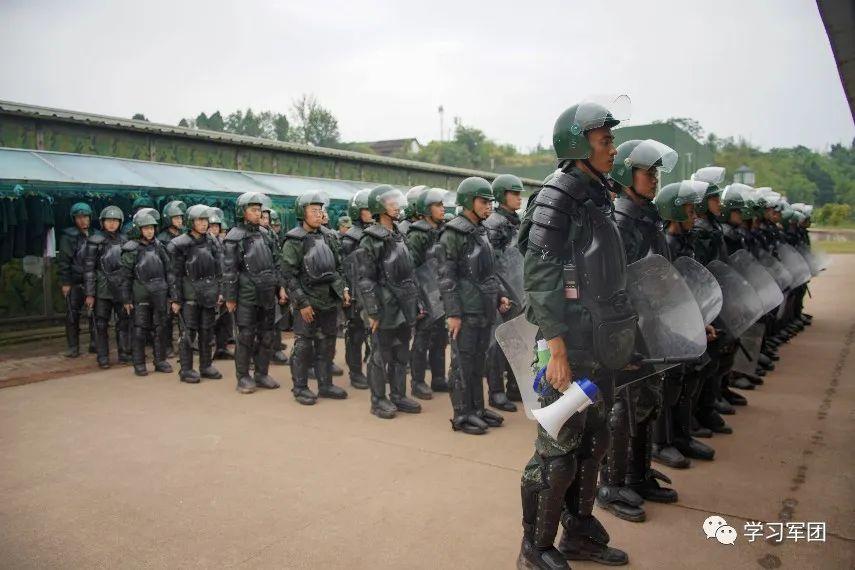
(314, 124)
(688, 124)
(139, 117)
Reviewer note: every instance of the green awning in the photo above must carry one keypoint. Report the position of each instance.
(66, 172)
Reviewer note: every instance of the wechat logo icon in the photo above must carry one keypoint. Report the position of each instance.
(716, 527)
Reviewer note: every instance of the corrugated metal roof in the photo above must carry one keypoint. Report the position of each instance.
(21, 165)
(14, 108)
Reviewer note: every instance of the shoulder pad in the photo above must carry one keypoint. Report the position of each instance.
(569, 183)
(703, 224)
(130, 245)
(97, 237)
(554, 199)
(296, 233)
(421, 225)
(354, 233)
(626, 207)
(181, 241)
(495, 221)
(72, 231)
(235, 234)
(460, 225)
(377, 231)
(326, 230)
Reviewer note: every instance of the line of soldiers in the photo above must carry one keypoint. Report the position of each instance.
(594, 238)
(410, 291)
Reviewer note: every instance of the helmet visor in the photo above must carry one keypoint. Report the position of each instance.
(393, 201)
(650, 153)
(710, 174)
(691, 192)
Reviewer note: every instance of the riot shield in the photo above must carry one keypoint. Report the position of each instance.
(776, 269)
(810, 260)
(741, 306)
(703, 285)
(822, 258)
(767, 289)
(816, 259)
(752, 342)
(795, 264)
(669, 318)
(517, 339)
(428, 283)
(509, 269)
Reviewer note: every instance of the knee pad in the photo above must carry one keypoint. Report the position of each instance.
(266, 338)
(246, 336)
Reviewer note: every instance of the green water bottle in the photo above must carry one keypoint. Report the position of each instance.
(543, 354)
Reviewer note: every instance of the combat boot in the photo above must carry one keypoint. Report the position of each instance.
(397, 391)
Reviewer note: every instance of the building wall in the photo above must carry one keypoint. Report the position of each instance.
(692, 154)
(132, 139)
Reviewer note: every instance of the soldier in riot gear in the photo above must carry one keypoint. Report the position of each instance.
(708, 243)
(101, 280)
(575, 279)
(196, 270)
(383, 269)
(224, 325)
(311, 269)
(139, 204)
(144, 289)
(502, 229)
(276, 226)
(472, 294)
(430, 338)
(676, 206)
(627, 479)
(250, 286)
(174, 220)
(270, 220)
(69, 259)
(410, 214)
(355, 327)
(174, 214)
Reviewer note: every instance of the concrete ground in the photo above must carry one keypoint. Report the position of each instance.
(104, 469)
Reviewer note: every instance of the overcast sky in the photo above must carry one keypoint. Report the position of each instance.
(753, 68)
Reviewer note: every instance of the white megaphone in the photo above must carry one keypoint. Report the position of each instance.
(578, 396)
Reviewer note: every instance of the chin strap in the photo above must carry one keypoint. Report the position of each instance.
(599, 174)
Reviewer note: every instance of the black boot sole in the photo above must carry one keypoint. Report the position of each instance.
(610, 507)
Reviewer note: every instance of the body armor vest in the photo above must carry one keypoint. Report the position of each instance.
(259, 265)
(679, 245)
(201, 267)
(649, 226)
(397, 271)
(596, 265)
(110, 261)
(150, 269)
(318, 260)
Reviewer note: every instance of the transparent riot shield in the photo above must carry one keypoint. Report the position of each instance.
(767, 289)
(741, 306)
(427, 280)
(509, 269)
(752, 342)
(823, 260)
(703, 285)
(795, 264)
(776, 269)
(669, 319)
(816, 259)
(517, 339)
